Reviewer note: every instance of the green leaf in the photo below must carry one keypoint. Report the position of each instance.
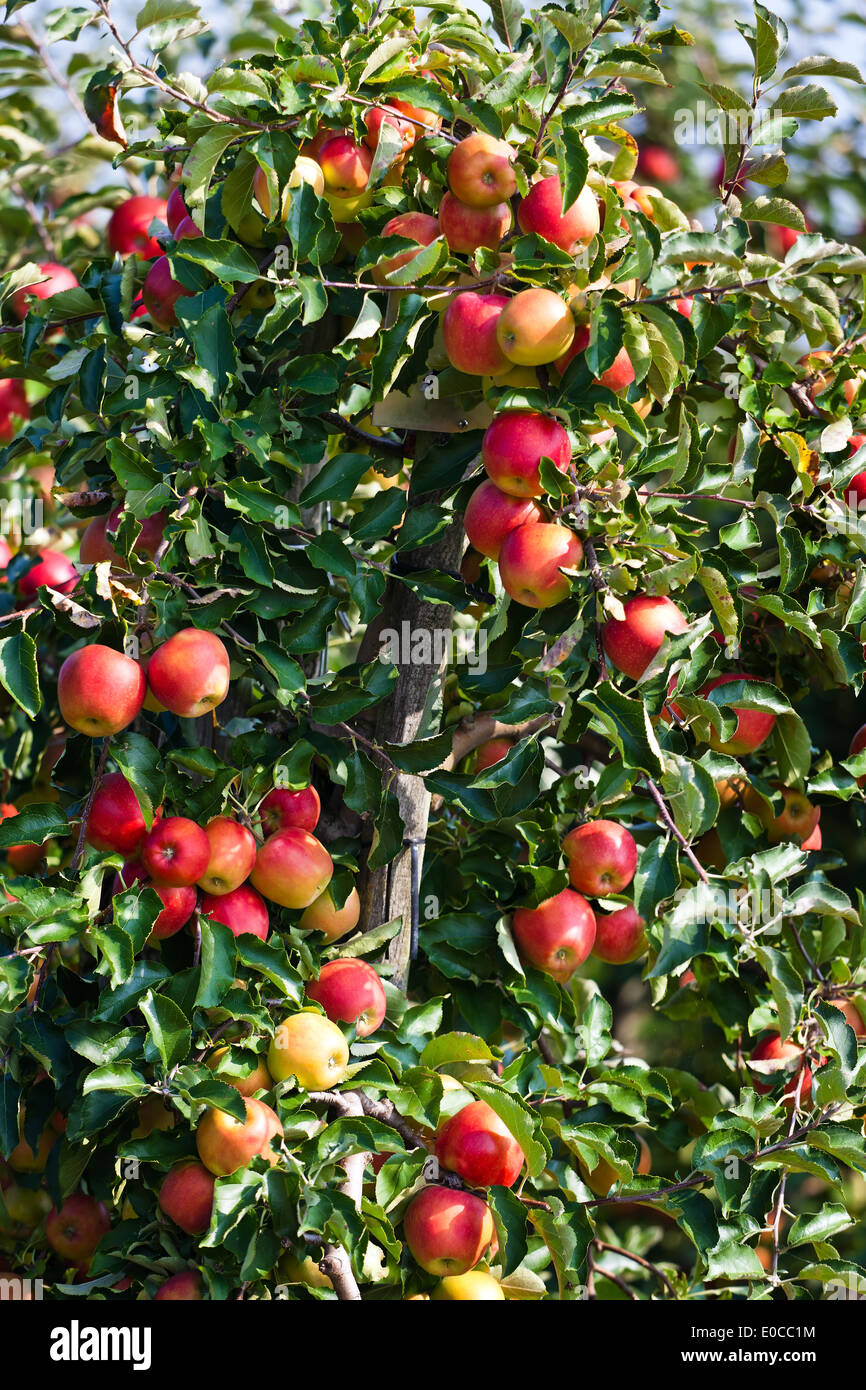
(169, 1028)
(33, 825)
(19, 674)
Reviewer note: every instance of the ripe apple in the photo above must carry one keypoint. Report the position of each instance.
(189, 674)
(186, 1287)
(232, 856)
(541, 212)
(754, 726)
(283, 808)
(176, 853)
(186, 1196)
(76, 1229)
(602, 857)
(477, 1145)
(311, 1048)
(557, 936)
(684, 305)
(178, 904)
(292, 868)
(127, 233)
(225, 1144)
(161, 292)
(475, 1287)
(22, 1209)
(852, 1014)
(469, 333)
(255, 1075)
(657, 164)
(771, 1048)
(332, 922)
(492, 514)
(241, 910)
(815, 840)
(447, 1231)
(53, 569)
(377, 116)
(536, 327)
(796, 821)
(345, 166)
(415, 226)
(115, 823)
(175, 209)
(619, 374)
(632, 642)
(515, 443)
(602, 1177)
(619, 936)
(100, 691)
(13, 401)
(467, 228)
(95, 547)
(531, 562)
(57, 279)
(25, 1159)
(350, 991)
(495, 750)
(305, 170)
(153, 1114)
(480, 171)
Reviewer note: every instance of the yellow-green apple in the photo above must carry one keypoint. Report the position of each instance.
(602, 1177)
(22, 859)
(620, 936)
(55, 279)
(292, 868)
(467, 228)
(632, 642)
(447, 1231)
(532, 560)
(541, 212)
(469, 333)
(153, 1114)
(176, 852)
(333, 922)
(186, 1196)
(480, 171)
(232, 856)
(513, 446)
(311, 1048)
(13, 402)
(301, 1269)
(115, 822)
(477, 1286)
(178, 904)
(161, 292)
(75, 1230)
(25, 1159)
(350, 991)
(128, 227)
(495, 750)
(241, 910)
(602, 857)
(345, 166)
(175, 209)
(796, 820)
(95, 547)
(415, 226)
(344, 211)
(283, 808)
(753, 726)
(248, 1076)
(557, 936)
(22, 1209)
(535, 328)
(772, 1050)
(100, 691)
(304, 170)
(478, 1146)
(189, 674)
(852, 1014)
(53, 569)
(492, 514)
(186, 1287)
(225, 1144)
(824, 379)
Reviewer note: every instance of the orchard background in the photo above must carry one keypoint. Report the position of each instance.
(387, 1038)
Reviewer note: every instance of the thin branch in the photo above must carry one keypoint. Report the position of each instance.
(668, 819)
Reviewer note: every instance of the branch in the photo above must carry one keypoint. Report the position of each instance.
(668, 819)
(475, 729)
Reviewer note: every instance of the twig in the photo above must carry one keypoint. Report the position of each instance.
(668, 819)
(638, 1260)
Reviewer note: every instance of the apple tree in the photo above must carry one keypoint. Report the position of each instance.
(432, 612)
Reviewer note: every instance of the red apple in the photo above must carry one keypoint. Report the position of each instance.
(657, 164)
(447, 1231)
(541, 212)
(187, 228)
(684, 306)
(175, 209)
(466, 228)
(350, 991)
(161, 292)
(469, 333)
(115, 822)
(100, 691)
(345, 165)
(477, 1145)
(480, 171)
(242, 910)
(232, 855)
(283, 808)
(557, 936)
(95, 547)
(225, 1144)
(186, 1287)
(13, 401)
(536, 327)
(515, 443)
(388, 115)
(602, 857)
(531, 562)
(619, 374)
(632, 642)
(619, 936)
(58, 278)
(292, 868)
(754, 726)
(76, 1229)
(128, 227)
(54, 570)
(491, 514)
(176, 853)
(189, 674)
(416, 226)
(186, 1196)
(178, 904)
(495, 750)
(771, 1048)
(5, 553)
(22, 859)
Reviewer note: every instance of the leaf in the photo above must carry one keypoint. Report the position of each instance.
(101, 103)
(507, 18)
(807, 103)
(169, 1028)
(454, 1047)
(821, 66)
(33, 825)
(19, 674)
(518, 1119)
